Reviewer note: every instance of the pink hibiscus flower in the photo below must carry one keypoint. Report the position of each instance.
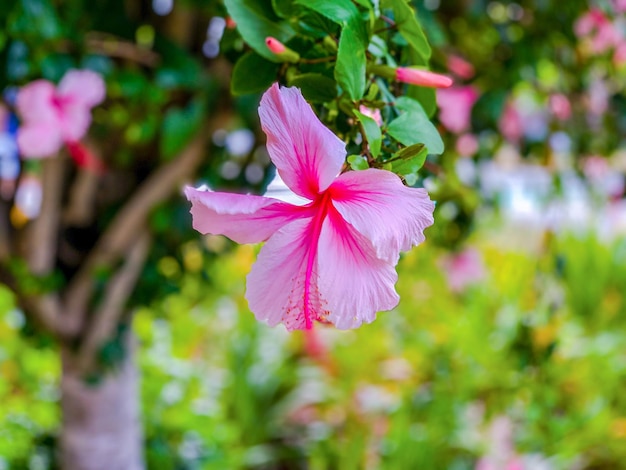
(331, 259)
(456, 107)
(54, 116)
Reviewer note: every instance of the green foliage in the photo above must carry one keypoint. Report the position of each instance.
(227, 392)
(252, 64)
(348, 54)
(179, 127)
(255, 22)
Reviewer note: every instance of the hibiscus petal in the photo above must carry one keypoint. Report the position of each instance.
(34, 102)
(242, 218)
(39, 140)
(83, 86)
(390, 214)
(75, 121)
(353, 281)
(282, 285)
(308, 155)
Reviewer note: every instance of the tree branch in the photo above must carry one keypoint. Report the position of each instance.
(129, 221)
(45, 309)
(5, 237)
(42, 233)
(119, 289)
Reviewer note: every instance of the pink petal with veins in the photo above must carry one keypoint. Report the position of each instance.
(390, 214)
(353, 282)
(307, 155)
(283, 283)
(242, 218)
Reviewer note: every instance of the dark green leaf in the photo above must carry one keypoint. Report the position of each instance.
(252, 74)
(179, 127)
(358, 162)
(414, 127)
(255, 24)
(342, 12)
(36, 19)
(350, 68)
(372, 132)
(285, 8)
(410, 28)
(426, 96)
(315, 87)
(410, 159)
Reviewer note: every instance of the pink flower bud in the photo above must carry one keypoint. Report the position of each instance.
(281, 51)
(275, 45)
(422, 78)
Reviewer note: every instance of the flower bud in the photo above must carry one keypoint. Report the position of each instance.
(422, 78)
(282, 51)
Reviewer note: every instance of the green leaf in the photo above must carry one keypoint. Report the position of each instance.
(252, 74)
(426, 96)
(350, 67)
(414, 127)
(410, 159)
(179, 126)
(410, 29)
(342, 12)
(358, 162)
(315, 87)
(35, 19)
(372, 132)
(255, 23)
(285, 8)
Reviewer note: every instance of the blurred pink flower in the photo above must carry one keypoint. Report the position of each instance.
(460, 67)
(455, 105)
(510, 123)
(466, 145)
(463, 269)
(560, 106)
(374, 113)
(598, 30)
(422, 78)
(333, 258)
(500, 453)
(598, 97)
(619, 56)
(619, 6)
(52, 116)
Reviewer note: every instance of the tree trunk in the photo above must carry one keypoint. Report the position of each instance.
(101, 423)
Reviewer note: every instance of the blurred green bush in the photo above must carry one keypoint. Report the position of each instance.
(540, 339)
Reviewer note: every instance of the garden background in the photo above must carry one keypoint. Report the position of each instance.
(508, 347)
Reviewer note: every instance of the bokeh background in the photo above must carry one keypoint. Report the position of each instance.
(508, 348)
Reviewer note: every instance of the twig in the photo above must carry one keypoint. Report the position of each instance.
(113, 46)
(42, 234)
(117, 238)
(45, 309)
(119, 289)
(5, 237)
